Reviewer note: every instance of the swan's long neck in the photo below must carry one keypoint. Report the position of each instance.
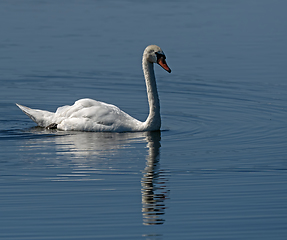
(153, 121)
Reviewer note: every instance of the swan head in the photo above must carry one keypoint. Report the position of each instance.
(154, 54)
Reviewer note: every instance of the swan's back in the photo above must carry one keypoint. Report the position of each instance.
(91, 115)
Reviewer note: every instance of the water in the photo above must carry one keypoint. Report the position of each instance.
(217, 170)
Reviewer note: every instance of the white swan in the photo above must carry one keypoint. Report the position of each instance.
(91, 115)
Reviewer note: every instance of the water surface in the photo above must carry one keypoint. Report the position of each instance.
(217, 170)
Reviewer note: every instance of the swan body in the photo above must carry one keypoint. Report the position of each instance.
(91, 115)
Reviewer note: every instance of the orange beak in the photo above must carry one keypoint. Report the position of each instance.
(161, 61)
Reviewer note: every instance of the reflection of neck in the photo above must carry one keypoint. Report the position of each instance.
(154, 191)
(153, 121)
(153, 144)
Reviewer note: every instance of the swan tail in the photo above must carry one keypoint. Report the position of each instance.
(41, 117)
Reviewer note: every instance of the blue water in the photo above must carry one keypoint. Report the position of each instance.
(217, 170)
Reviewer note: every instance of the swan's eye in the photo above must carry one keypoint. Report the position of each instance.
(160, 55)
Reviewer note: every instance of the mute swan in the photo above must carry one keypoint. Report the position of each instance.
(91, 115)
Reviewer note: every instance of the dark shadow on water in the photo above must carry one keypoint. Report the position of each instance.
(154, 183)
(31, 133)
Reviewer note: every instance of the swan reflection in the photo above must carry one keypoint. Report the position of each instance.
(89, 156)
(154, 188)
(87, 144)
(154, 184)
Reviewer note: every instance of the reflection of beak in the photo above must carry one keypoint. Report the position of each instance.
(161, 61)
